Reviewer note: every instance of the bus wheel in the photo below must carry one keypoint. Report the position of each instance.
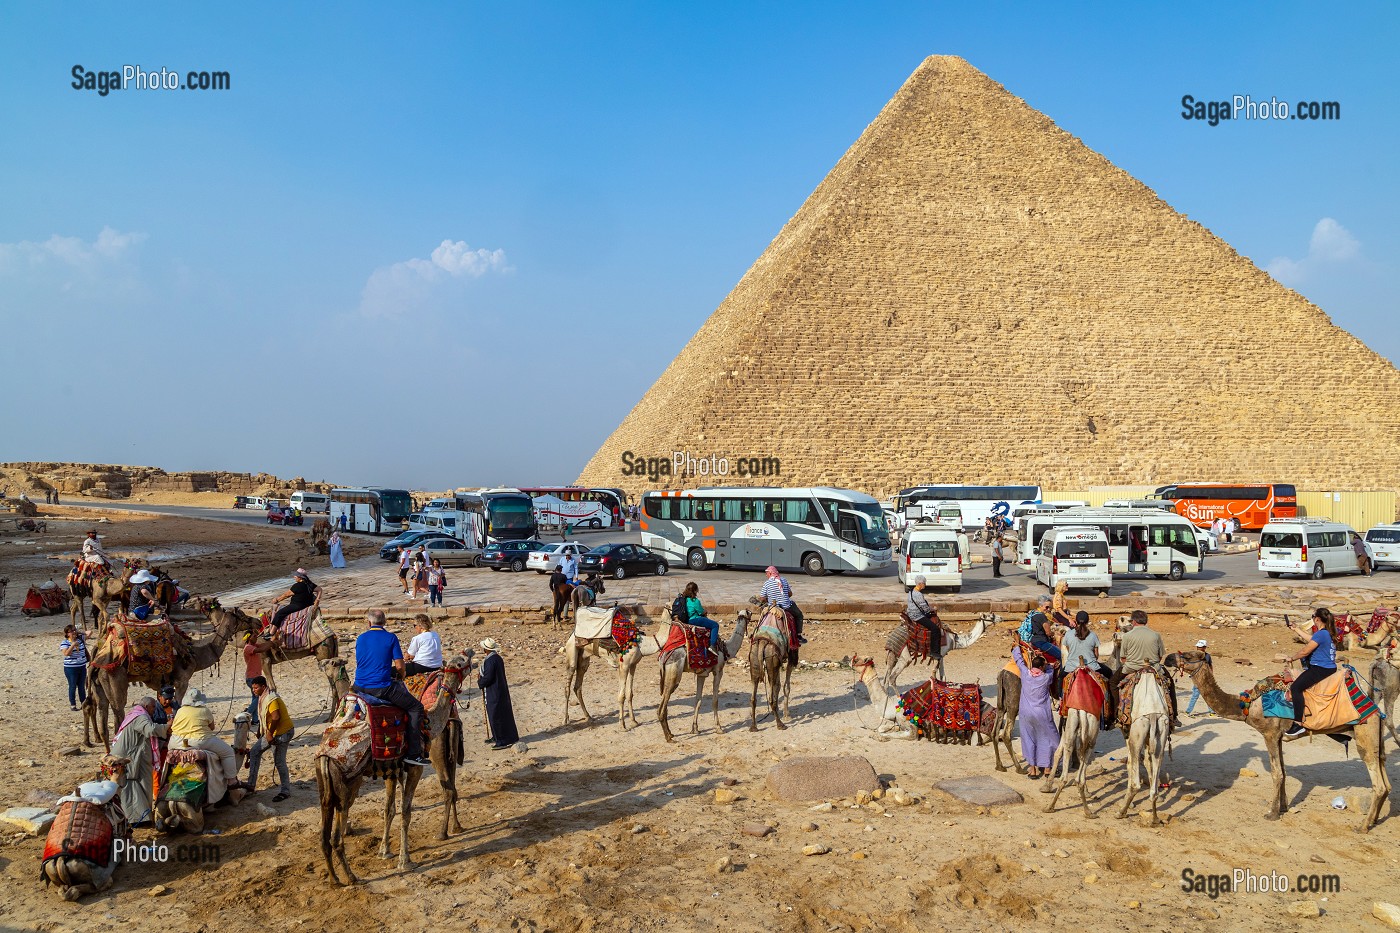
(594, 523)
(813, 564)
(1178, 571)
(695, 559)
(1317, 571)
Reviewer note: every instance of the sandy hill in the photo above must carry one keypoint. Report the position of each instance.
(974, 295)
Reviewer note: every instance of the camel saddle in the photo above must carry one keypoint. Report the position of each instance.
(186, 778)
(1086, 690)
(1127, 694)
(368, 727)
(918, 640)
(431, 691)
(1328, 705)
(593, 623)
(86, 574)
(302, 630)
(937, 704)
(778, 626)
(149, 649)
(695, 640)
(83, 830)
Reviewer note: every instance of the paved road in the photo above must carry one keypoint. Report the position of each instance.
(243, 516)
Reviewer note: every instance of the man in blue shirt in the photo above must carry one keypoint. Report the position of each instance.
(568, 564)
(377, 657)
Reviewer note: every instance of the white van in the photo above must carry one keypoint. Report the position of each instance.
(1077, 554)
(311, 502)
(1383, 544)
(255, 502)
(935, 551)
(1312, 546)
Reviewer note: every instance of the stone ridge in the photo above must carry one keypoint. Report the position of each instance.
(974, 295)
(112, 481)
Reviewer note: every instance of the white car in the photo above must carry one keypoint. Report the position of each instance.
(546, 560)
(1207, 540)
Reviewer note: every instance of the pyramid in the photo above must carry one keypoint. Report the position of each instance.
(972, 295)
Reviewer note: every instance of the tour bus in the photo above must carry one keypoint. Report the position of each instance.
(375, 510)
(503, 514)
(1312, 546)
(1383, 543)
(932, 551)
(978, 503)
(1076, 554)
(1254, 506)
(311, 502)
(1153, 541)
(578, 505)
(815, 529)
(948, 514)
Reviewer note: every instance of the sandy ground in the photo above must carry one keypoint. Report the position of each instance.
(551, 839)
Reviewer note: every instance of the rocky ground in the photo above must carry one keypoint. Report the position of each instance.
(587, 827)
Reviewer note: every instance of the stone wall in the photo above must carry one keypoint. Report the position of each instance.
(108, 481)
(974, 295)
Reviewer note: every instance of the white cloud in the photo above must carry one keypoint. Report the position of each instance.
(1331, 245)
(394, 290)
(69, 252)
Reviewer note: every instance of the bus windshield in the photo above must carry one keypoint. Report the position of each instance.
(874, 532)
(511, 514)
(396, 505)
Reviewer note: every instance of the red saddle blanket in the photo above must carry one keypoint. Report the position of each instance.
(428, 688)
(388, 727)
(86, 573)
(937, 704)
(695, 640)
(625, 633)
(1084, 690)
(41, 601)
(81, 830)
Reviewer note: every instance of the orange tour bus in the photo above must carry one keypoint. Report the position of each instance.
(1253, 505)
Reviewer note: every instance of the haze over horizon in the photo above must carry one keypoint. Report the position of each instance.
(438, 246)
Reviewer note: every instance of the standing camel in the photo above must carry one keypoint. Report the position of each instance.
(338, 789)
(1370, 740)
(1148, 737)
(768, 657)
(1385, 687)
(107, 676)
(677, 662)
(897, 656)
(327, 651)
(1079, 732)
(101, 592)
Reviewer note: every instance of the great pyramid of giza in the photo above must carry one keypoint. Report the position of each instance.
(974, 295)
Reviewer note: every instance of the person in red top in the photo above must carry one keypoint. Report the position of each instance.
(253, 667)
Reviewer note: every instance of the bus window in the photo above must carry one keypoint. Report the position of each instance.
(1082, 549)
(705, 510)
(850, 530)
(773, 511)
(801, 511)
(731, 510)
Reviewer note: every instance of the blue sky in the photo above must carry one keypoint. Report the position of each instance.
(435, 245)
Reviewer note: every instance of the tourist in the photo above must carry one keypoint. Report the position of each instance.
(342, 521)
(1059, 605)
(253, 651)
(138, 741)
(424, 652)
(1229, 529)
(437, 581)
(75, 661)
(777, 592)
(998, 552)
(405, 561)
(1080, 646)
(142, 594)
(1039, 736)
(193, 727)
(496, 694)
(1034, 630)
(303, 595)
(276, 733)
(94, 556)
(917, 608)
(568, 565)
(1142, 648)
(1320, 656)
(1195, 690)
(418, 570)
(1363, 560)
(695, 610)
(377, 657)
(337, 553)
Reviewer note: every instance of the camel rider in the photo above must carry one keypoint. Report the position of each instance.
(777, 592)
(302, 595)
(378, 657)
(1081, 649)
(1141, 649)
(1040, 638)
(94, 556)
(921, 613)
(143, 594)
(192, 726)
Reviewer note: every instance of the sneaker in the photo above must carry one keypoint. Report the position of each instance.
(802, 639)
(280, 796)
(74, 708)
(1297, 732)
(418, 762)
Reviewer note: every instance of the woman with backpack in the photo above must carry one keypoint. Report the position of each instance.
(688, 609)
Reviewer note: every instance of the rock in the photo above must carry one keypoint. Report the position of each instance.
(521, 747)
(33, 820)
(857, 855)
(756, 829)
(67, 752)
(27, 763)
(1248, 772)
(877, 793)
(724, 866)
(903, 798)
(638, 829)
(1388, 914)
(264, 810)
(862, 798)
(1304, 909)
(1134, 905)
(823, 807)
(1060, 853)
(157, 891)
(816, 850)
(725, 795)
(1091, 878)
(475, 618)
(980, 790)
(812, 778)
(809, 827)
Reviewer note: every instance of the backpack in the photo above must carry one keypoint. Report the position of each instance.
(679, 610)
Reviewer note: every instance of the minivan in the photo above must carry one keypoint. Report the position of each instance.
(255, 502)
(935, 551)
(1076, 554)
(1311, 546)
(1383, 543)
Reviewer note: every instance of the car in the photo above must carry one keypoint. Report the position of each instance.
(622, 560)
(390, 551)
(512, 554)
(1207, 540)
(277, 515)
(548, 557)
(450, 552)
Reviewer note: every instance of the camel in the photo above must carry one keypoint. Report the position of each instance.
(320, 538)
(101, 592)
(1079, 732)
(173, 815)
(882, 698)
(1148, 742)
(1370, 740)
(1385, 687)
(338, 789)
(324, 653)
(676, 662)
(897, 655)
(109, 682)
(768, 658)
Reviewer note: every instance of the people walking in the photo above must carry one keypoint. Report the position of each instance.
(1195, 690)
(336, 549)
(276, 734)
(437, 582)
(75, 662)
(424, 653)
(500, 716)
(405, 562)
(1039, 737)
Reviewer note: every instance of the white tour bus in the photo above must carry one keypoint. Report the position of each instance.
(978, 503)
(311, 502)
(1153, 541)
(375, 510)
(1383, 544)
(1312, 546)
(1078, 555)
(815, 529)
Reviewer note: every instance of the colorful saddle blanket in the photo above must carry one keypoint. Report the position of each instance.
(303, 630)
(149, 649)
(625, 633)
(187, 778)
(83, 830)
(84, 573)
(1127, 687)
(1270, 684)
(776, 625)
(430, 689)
(915, 639)
(44, 601)
(1085, 690)
(696, 642)
(1328, 704)
(941, 705)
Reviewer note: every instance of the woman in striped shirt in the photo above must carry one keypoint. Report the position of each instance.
(75, 662)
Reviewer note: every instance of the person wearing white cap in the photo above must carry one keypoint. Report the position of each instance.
(1196, 691)
(142, 594)
(496, 693)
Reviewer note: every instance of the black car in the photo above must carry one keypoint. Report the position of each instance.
(622, 560)
(390, 551)
(510, 554)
